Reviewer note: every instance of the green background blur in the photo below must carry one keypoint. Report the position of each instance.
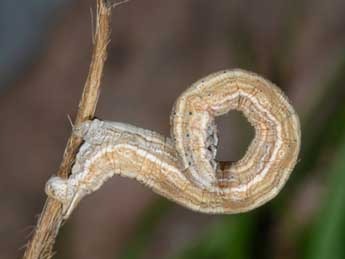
(158, 49)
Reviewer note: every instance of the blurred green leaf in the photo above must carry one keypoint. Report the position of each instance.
(328, 236)
(327, 119)
(225, 239)
(135, 248)
(322, 135)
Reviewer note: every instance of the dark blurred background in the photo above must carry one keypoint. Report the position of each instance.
(158, 49)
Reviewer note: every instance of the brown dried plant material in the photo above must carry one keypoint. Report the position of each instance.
(50, 220)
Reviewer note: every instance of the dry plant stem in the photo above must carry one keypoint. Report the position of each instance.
(41, 244)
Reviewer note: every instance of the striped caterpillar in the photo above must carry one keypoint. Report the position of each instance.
(184, 168)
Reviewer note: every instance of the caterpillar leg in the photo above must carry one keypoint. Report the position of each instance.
(64, 191)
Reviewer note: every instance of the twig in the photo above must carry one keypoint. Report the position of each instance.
(48, 225)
